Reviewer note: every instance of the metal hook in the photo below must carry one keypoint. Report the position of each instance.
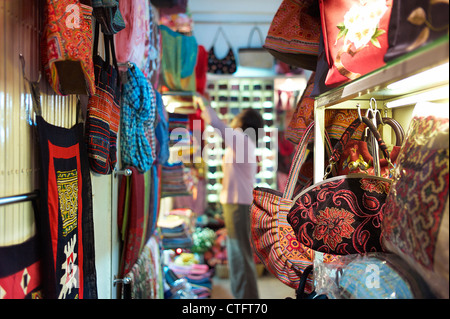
(359, 111)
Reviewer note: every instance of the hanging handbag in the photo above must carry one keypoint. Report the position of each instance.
(355, 37)
(415, 23)
(293, 35)
(103, 110)
(227, 65)
(272, 238)
(255, 57)
(107, 13)
(66, 47)
(342, 215)
(416, 218)
(356, 157)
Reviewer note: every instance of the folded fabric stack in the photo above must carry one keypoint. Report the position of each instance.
(175, 232)
(179, 129)
(198, 275)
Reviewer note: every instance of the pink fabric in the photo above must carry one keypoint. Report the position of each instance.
(132, 43)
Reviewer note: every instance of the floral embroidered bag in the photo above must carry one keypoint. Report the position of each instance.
(355, 37)
(342, 215)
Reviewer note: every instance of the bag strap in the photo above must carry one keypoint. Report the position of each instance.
(252, 32)
(219, 31)
(299, 158)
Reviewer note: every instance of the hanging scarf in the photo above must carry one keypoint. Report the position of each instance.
(137, 121)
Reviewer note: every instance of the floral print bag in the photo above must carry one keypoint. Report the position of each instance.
(342, 215)
(355, 37)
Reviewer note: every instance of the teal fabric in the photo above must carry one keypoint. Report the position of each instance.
(179, 57)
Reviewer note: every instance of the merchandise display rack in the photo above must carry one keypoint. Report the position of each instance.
(375, 85)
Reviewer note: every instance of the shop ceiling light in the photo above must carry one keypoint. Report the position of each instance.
(429, 77)
(430, 95)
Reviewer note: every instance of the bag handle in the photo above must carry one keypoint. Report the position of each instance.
(252, 32)
(340, 145)
(219, 31)
(297, 161)
(300, 157)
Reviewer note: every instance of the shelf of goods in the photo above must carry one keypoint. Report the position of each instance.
(229, 96)
(378, 85)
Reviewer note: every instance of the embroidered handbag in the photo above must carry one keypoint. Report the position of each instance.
(342, 215)
(273, 239)
(226, 65)
(255, 57)
(103, 110)
(415, 23)
(355, 37)
(107, 13)
(66, 47)
(293, 35)
(356, 157)
(416, 218)
(380, 276)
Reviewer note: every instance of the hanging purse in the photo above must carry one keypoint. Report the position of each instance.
(255, 57)
(416, 218)
(103, 110)
(293, 35)
(415, 23)
(355, 37)
(342, 215)
(66, 47)
(227, 65)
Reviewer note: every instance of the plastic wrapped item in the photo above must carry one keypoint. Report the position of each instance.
(371, 276)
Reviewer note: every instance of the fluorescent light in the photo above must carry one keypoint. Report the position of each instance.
(431, 95)
(429, 77)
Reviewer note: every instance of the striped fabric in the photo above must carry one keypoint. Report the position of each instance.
(273, 238)
(274, 241)
(103, 117)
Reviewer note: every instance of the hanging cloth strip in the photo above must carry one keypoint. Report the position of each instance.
(179, 57)
(65, 221)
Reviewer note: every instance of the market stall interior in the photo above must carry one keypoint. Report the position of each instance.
(114, 174)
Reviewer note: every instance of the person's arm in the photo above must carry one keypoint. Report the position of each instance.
(227, 133)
